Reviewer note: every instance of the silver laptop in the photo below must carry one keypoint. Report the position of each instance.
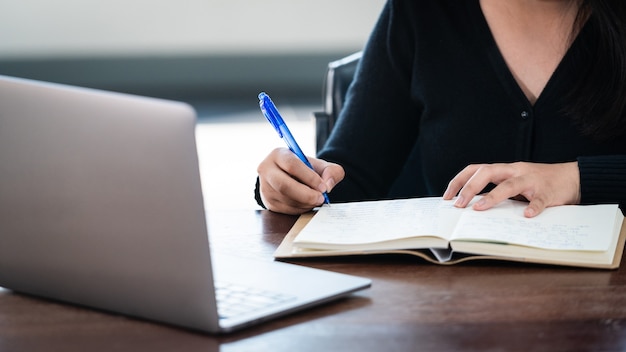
(101, 206)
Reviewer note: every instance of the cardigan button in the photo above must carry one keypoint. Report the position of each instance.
(524, 115)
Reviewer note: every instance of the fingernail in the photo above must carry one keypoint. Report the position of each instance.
(481, 203)
(321, 200)
(459, 202)
(322, 187)
(530, 212)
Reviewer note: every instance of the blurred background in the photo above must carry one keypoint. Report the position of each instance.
(182, 48)
(215, 54)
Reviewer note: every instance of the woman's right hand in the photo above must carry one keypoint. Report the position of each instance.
(288, 186)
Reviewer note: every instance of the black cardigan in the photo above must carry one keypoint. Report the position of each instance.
(432, 77)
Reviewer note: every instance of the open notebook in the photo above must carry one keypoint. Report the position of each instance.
(101, 206)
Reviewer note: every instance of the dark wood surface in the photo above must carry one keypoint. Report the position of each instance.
(411, 306)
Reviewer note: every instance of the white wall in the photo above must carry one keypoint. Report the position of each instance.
(94, 28)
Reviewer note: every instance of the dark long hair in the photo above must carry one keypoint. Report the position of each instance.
(597, 102)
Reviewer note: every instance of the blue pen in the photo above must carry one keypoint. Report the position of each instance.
(272, 115)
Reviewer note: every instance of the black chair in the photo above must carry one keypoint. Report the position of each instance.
(340, 73)
(338, 78)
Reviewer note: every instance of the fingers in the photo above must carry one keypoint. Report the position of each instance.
(288, 186)
(474, 178)
(518, 187)
(331, 173)
(460, 180)
(535, 206)
(543, 185)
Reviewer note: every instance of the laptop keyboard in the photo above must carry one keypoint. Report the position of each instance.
(234, 299)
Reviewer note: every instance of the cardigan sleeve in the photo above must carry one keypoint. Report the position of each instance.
(379, 123)
(603, 179)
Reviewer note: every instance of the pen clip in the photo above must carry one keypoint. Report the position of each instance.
(270, 112)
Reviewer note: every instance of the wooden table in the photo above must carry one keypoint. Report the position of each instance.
(411, 306)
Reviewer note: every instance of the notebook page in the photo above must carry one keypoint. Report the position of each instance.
(588, 228)
(379, 221)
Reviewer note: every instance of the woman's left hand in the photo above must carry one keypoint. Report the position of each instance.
(543, 185)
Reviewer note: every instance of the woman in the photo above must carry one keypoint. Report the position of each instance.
(531, 94)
